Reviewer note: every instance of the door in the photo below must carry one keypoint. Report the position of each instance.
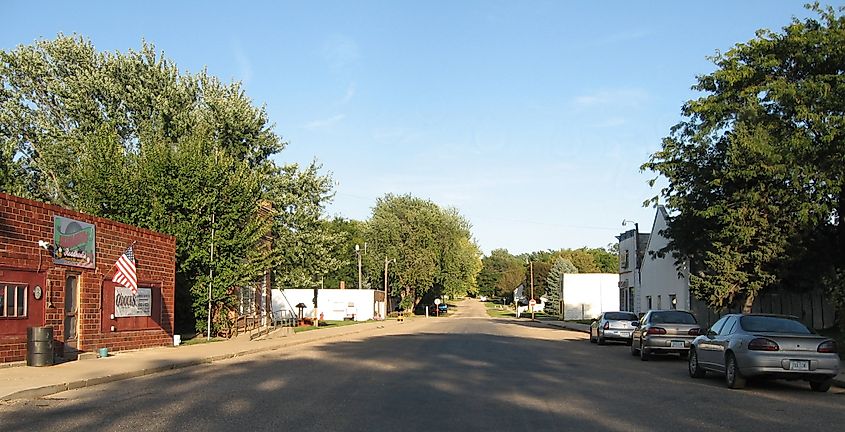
(709, 348)
(71, 321)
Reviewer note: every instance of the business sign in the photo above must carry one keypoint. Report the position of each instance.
(73, 242)
(127, 304)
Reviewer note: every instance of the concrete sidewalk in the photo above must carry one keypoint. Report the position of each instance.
(839, 381)
(22, 382)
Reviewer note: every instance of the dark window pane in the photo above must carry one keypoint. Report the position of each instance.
(2, 300)
(21, 293)
(771, 324)
(620, 316)
(673, 317)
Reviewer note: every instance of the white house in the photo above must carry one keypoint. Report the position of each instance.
(333, 304)
(660, 284)
(586, 295)
(632, 245)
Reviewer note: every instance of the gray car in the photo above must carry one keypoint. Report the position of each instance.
(759, 345)
(612, 326)
(664, 332)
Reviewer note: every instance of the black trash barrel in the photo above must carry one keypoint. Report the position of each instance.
(39, 346)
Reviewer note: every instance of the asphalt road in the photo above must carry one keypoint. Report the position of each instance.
(463, 372)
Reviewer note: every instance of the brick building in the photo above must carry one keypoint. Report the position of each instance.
(56, 269)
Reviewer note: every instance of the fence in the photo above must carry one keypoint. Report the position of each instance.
(810, 307)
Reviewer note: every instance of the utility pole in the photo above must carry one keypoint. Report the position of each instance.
(531, 266)
(210, 279)
(358, 252)
(386, 298)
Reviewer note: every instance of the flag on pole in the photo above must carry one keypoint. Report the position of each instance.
(125, 270)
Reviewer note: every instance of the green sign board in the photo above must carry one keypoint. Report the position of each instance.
(73, 242)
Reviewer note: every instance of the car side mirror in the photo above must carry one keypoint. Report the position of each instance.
(635, 323)
(711, 333)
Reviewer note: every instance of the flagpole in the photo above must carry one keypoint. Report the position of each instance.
(210, 278)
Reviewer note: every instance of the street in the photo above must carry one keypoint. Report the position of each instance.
(460, 372)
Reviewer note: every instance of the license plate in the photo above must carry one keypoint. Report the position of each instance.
(799, 365)
(625, 334)
(676, 344)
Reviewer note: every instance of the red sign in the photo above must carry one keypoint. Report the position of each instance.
(532, 302)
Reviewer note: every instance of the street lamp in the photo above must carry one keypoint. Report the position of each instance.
(386, 298)
(358, 252)
(531, 267)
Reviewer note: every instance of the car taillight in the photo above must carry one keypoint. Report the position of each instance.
(827, 347)
(606, 325)
(656, 330)
(695, 331)
(763, 344)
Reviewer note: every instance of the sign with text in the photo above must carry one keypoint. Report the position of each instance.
(127, 304)
(73, 242)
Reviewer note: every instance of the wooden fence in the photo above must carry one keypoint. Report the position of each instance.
(810, 307)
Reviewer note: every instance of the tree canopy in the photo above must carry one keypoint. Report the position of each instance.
(129, 137)
(755, 172)
(433, 248)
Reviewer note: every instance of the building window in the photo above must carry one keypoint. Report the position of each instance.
(659, 303)
(247, 301)
(625, 262)
(13, 301)
(673, 301)
(648, 301)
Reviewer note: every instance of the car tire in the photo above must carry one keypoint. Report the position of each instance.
(644, 355)
(592, 339)
(733, 377)
(821, 386)
(629, 342)
(695, 369)
(633, 350)
(601, 340)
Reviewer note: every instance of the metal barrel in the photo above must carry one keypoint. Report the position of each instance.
(39, 346)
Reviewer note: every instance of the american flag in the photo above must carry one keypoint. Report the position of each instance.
(125, 270)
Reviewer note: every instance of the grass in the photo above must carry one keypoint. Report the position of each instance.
(326, 324)
(837, 334)
(499, 311)
(200, 339)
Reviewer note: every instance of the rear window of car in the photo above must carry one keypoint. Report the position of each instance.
(673, 317)
(769, 324)
(620, 316)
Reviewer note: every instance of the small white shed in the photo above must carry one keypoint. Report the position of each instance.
(586, 295)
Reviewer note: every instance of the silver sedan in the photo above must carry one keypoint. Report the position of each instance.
(612, 326)
(664, 332)
(757, 345)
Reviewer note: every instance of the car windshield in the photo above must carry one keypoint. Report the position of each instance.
(620, 316)
(770, 324)
(672, 317)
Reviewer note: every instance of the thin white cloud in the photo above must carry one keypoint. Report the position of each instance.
(340, 51)
(325, 123)
(618, 97)
(350, 93)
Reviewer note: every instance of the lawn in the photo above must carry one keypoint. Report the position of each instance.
(326, 324)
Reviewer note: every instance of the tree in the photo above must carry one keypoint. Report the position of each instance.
(494, 267)
(128, 137)
(755, 172)
(434, 251)
(554, 285)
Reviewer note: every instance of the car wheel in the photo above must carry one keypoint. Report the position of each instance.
(733, 377)
(695, 369)
(644, 355)
(592, 339)
(629, 342)
(633, 350)
(601, 340)
(821, 386)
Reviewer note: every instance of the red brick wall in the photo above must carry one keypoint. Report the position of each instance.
(24, 222)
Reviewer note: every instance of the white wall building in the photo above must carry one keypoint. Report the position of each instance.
(662, 286)
(586, 295)
(632, 246)
(334, 304)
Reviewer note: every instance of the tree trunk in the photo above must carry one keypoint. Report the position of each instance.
(749, 301)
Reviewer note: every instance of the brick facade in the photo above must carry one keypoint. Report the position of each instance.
(23, 223)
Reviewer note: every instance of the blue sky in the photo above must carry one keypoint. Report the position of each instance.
(530, 117)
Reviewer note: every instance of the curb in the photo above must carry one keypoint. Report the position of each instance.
(39, 392)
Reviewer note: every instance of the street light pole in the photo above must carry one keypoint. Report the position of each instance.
(358, 252)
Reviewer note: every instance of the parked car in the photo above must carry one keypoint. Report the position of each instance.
(664, 332)
(759, 345)
(612, 326)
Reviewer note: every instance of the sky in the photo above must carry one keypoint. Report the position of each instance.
(531, 118)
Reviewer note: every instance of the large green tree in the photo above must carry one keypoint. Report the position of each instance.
(554, 285)
(755, 172)
(129, 137)
(433, 248)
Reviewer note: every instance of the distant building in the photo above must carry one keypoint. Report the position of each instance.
(663, 286)
(632, 245)
(587, 295)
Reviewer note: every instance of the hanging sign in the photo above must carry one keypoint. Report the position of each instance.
(127, 304)
(73, 242)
